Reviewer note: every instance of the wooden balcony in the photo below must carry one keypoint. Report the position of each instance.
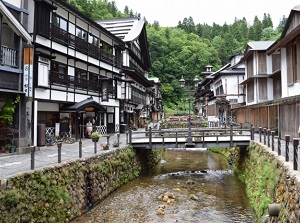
(63, 37)
(8, 57)
(61, 79)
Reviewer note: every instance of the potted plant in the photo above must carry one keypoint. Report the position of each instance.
(95, 136)
(3, 149)
(8, 109)
(105, 146)
(7, 148)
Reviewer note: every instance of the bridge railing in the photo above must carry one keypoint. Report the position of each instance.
(198, 134)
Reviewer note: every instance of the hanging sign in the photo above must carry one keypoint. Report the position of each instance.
(104, 91)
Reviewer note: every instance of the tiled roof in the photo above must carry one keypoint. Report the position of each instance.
(260, 45)
(127, 29)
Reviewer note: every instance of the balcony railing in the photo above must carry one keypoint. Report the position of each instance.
(8, 56)
(63, 37)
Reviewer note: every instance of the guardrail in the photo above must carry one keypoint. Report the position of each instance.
(198, 135)
(268, 138)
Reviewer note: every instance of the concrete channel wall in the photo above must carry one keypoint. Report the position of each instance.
(63, 192)
(270, 182)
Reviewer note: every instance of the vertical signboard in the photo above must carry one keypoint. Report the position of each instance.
(28, 71)
(104, 91)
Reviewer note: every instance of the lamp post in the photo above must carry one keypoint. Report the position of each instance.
(189, 142)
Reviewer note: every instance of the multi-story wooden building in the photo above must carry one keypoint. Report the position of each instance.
(137, 92)
(220, 91)
(76, 71)
(273, 81)
(14, 67)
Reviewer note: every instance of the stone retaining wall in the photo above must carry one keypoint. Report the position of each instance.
(269, 179)
(61, 193)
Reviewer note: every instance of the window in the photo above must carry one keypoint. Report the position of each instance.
(59, 22)
(59, 67)
(81, 33)
(81, 78)
(93, 40)
(106, 47)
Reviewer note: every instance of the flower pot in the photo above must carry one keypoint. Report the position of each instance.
(2, 149)
(95, 139)
(105, 147)
(12, 149)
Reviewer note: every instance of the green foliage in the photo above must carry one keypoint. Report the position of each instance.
(95, 135)
(261, 178)
(189, 47)
(8, 109)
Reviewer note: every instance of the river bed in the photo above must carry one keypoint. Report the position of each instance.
(201, 188)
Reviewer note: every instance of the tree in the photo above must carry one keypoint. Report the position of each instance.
(257, 29)
(267, 21)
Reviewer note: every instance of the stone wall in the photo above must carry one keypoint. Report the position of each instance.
(62, 192)
(269, 179)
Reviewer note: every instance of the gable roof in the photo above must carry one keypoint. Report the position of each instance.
(14, 23)
(291, 30)
(82, 105)
(129, 30)
(256, 46)
(259, 45)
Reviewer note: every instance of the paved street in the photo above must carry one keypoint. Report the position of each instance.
(12, 164)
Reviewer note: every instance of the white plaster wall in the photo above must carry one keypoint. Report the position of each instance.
(93, 61)
(51, 107)
(294, 89)
(71, 52)
(70, 97)
(62, 12)
(58, 95)
(106, 38)
(59, 47)
(43, 41)
(81, 56)
(71, 71)
(42, 93)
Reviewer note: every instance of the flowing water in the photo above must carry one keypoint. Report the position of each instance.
(201, 187)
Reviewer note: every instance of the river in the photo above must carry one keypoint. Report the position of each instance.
(200, 187)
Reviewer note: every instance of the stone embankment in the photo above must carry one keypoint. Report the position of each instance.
(269, 180)
(63, 192)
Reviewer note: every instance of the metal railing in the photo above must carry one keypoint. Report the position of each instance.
(8, 56)
(290, 146)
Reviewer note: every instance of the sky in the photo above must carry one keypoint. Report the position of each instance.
(169, 12)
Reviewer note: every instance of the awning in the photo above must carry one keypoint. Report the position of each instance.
(139, 107)
(86, 105)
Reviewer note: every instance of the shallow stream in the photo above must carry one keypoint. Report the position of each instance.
(203, 184)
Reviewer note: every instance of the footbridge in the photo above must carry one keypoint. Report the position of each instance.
(197, 138)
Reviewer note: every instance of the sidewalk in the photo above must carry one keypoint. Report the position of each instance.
(13, 163)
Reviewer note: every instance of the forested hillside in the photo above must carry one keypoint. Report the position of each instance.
(187, 48)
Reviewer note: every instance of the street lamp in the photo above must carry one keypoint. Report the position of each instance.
(189, 142)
